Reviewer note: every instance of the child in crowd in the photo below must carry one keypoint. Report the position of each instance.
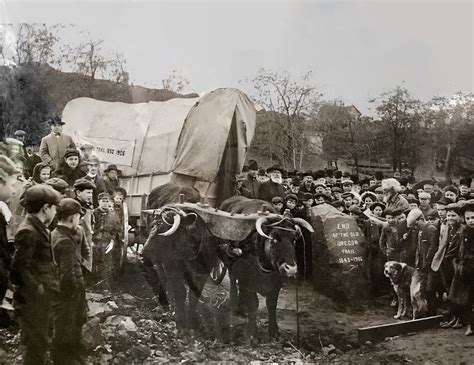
(277, 203)
(69, 170)
(105, 237)
(70, 305)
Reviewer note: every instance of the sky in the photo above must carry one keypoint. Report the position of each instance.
(356, 49)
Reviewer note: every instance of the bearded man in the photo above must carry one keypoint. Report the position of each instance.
(391, 195)
(273, 187)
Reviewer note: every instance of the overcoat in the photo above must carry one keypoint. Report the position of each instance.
(53, 147)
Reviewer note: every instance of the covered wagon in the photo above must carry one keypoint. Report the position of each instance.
(201, 142)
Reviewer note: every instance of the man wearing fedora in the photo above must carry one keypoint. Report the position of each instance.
(273, 187)
(111, 178)
(54, 145)
(251, 183)
(93, 175)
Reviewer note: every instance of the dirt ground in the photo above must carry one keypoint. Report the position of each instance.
(327, 331)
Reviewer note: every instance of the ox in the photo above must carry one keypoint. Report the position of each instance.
(266, 258)
(179, 252)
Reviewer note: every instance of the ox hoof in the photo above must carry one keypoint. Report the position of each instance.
(397, 316)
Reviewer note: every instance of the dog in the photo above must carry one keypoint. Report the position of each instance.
(408, 284)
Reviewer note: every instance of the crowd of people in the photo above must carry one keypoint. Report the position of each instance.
(61, 231)
(428, 225)
(65, 218)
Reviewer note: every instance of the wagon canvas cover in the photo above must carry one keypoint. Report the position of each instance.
(154, 137)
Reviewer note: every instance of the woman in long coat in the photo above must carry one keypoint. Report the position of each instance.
(462, 287)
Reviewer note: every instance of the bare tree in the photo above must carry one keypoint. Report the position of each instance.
(290, 105)
(175, 82)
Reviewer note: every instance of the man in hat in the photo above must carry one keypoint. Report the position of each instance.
(464, 187)
(86, 152)
(34, 271)
(240, 190)
(347, 198)
(30, 159)
(111, 178)
(8, 178)
(100, 183)
(70, 306)
(307, 185)
(451, 192)
(251, 183)
(337, 193)
(53, 147)
(272, 187)
(262, 177)
(425, 200)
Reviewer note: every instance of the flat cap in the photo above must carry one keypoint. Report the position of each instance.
(68, 207)
(277, 199)
(40, 194)
(71, 152)
(103, 195)
(307, 196)
(291, 197)
(347, 195)
(86, 146)
(348, 182)
(82, 184)
(57, 184)
(424, 195)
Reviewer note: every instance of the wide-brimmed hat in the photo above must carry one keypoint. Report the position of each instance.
(113, 167)
(274, 168)
(377, 204)
(93, 160)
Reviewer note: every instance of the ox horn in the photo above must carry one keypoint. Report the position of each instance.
(301, 222)
(258, 224)
(174, 227)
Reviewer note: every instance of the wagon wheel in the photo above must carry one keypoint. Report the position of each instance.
(218, 272)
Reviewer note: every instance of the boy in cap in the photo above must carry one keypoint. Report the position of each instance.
(68, 169)
(70, 307)
(84, 190)
(291, 201)
(34, 271)
(106, 235)
(278, 203)
(447, 251)
(53, 147)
